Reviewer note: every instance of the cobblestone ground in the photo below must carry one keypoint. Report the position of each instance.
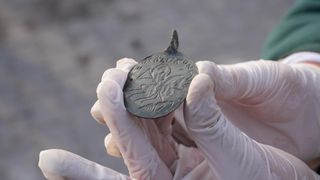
(53, 52)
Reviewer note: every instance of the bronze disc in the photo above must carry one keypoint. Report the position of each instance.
(159, 83)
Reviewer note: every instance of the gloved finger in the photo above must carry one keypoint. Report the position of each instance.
(111, 146)
(251, 81)
(139, 155)
(118, 74)
(59, 164)
(202, 117)
(96, 114)
(109, 142)
(223, 81)
(113, 74)
(126, 64)
(201, 110)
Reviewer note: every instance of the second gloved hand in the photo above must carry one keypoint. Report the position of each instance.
(272, 102)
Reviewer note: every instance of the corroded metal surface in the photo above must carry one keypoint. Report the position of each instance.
(158, 84)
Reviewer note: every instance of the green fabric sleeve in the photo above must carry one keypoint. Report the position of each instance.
(298, 31)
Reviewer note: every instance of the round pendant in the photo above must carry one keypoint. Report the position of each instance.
(159, 83)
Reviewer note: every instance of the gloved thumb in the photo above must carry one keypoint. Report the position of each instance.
(251, 82)
(201, 109)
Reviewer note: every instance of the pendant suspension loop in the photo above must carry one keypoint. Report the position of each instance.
(174, 44)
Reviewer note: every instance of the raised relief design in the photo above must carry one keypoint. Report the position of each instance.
(159, 83)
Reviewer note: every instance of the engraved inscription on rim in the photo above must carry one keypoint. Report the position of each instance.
(158, 85)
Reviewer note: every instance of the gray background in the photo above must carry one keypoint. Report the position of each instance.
(53, 53)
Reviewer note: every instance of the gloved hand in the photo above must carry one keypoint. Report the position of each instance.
(241, 87)
(275, 103)
(221, 144)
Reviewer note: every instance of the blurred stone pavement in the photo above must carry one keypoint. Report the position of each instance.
(53, 53)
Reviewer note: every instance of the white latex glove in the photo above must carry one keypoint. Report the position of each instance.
(272, 102)
(229, 153)
(278, 76)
